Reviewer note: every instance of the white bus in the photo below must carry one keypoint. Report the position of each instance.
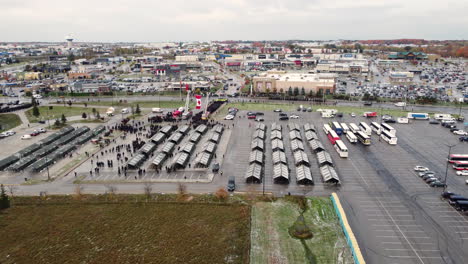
(345, 128)
(390, 138)
(351, 137)
(375, 127)
(363, 138)
(341, 149)
(354, 128)
(327, 129)
(364, 127)
(388, 129)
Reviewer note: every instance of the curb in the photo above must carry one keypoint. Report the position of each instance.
(350, 238)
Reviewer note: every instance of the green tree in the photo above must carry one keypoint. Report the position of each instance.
(57, 123)
(319, 93)
(408, 48)
(84, 115)
(35, 111)
(64, 119)
(94, 111)
(311, 93)
(4, 200)
(296, 91)
(267, 91)
(281, 90)
(29, 93)
(290, 91)
(137, 110)
(98, 115)
(302, 91)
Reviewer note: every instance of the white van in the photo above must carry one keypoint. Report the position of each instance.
(124, 111)
(156, 110)
(402, 120)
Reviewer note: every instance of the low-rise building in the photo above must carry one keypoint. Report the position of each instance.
(279, 81)
(401, 77)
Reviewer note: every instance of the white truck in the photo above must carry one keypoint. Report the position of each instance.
(110, 111)
(443, 117)
(400, 104)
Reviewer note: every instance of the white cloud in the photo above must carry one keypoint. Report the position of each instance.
(157, 20)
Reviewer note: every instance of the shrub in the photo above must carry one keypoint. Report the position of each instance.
(222, 194)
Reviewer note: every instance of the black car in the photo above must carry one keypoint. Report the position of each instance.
(434, 122)
(283, 114)
(231, 184)
(447, 194)
(453, 129)
(260, 113)
(339, 114)
(463, 138)
(390, 121)
(284, 118)
(215, 167)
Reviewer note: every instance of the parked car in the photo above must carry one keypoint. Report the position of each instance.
(215, 167)
(251, 116)
(283, 114)
(390, 121)
(229, 117)
(353, 115)
(259, 113)
(26, 137)
(464, 138)
(294, 117)
(41, 130)
(231, 184)
(421, 168)
(259, 119)
(459, 132)
(454, 129)
(277, 110)
(462, 173)
(425, 177)
(35, 133)
(309, 109)
(283, 118)
(424, 173)
(431, 179)
(437, 184)
(447, 194)
(434, 122)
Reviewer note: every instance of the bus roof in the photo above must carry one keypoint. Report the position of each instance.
(340, 144)
(459, 155)
(461, 162)
(385, 132)
(362, 134)
(333, 134)
(387, 127)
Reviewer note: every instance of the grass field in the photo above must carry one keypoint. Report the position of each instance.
(271, 242)
(9, 121)
(57, 111)
(125, 232)
(143, 104)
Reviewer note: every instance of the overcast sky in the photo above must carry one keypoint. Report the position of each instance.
(186, 20)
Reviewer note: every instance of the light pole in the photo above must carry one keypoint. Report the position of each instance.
(446, 167)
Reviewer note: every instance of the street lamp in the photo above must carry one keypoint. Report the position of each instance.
(446, 167)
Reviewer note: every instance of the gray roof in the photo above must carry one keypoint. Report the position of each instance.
(184, 129)
(309, 127)
(303, 174)
(260, 126)
(257, 144)
(301, 158)
(324, 158)
(294, 126)
(256, 157)
(28, 150)
(8, 161)
(254, 172)
(259, 134)
(329, 174)
(42, 164)
(168, 147)
(296, 145)
(277, 144)
(218, 129)
(203, 159)
(201, 129)
(276, 126)
(158, 138)
(195, 137)
(295, 135)
(276, 134)
(279, 157)
(137, 160)
(209, 147)
(160, 158)
(176, 137)
(214, 137)
(23, 163)
(166, 129)
(316, 145)
(46, 150)
(148, 148)
(181, 159)
(310, 135)
(189, 147)
(280, 170)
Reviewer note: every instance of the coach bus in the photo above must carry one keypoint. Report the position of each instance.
(364, 127)
(333, 137)
(460, 165)
(363, 138)
(351, 137)
(326, 129)
(390, 138)
(457, 157)
(354, 128)
(336, 126)
(345, 128)
(375, 127)
(387, 128)
(341, 149)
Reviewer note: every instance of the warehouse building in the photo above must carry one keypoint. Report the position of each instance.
(280, 82)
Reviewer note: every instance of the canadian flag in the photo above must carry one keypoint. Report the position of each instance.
(198, 97)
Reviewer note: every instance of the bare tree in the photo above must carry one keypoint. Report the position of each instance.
(148, 188)
(12, 190)
(111, 190)
(181, 192)
(79, 191)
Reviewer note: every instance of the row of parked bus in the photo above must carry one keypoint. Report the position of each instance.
(459, 161)
(332, 135)
(363, 131)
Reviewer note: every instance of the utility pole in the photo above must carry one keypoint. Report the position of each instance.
(446, 167)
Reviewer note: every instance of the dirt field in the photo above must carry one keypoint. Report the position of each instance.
(128, 232)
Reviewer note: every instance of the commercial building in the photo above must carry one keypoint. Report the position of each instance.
(281, 81)
(401, 77)
(407, 55)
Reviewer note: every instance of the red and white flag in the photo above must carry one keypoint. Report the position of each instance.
(187, 87)
(198, 97)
